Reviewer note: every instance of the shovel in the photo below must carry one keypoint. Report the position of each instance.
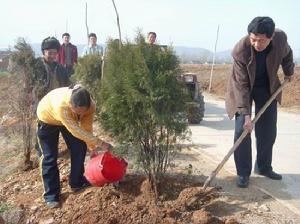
(243, 135)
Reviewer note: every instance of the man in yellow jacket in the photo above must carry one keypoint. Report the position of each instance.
(69, 112)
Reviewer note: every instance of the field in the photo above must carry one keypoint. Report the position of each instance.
(291, 94)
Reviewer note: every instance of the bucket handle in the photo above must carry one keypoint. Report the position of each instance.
(104, 157)
(102, 160)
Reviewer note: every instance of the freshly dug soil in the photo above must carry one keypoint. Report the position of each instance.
(181, 200)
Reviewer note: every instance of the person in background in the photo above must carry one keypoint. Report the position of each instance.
(256, 60)
(69, 111)
(49, 74)
(67, 55)
(93, 47)
(151, 38)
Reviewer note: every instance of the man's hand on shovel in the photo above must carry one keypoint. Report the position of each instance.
(248, 125)
(289, 78)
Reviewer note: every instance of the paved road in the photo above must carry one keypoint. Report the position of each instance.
(215, 137)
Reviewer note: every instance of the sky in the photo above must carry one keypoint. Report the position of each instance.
(191, 23)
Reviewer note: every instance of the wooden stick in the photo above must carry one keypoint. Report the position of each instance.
(118, 23)
(243, 135)
(86, 22)
(213, 62)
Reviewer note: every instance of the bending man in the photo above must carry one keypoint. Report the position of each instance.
(69, 112)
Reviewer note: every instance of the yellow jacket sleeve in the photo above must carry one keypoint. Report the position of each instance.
(86, 123)
(82, 131)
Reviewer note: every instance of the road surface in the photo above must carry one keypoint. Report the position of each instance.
(215, 137)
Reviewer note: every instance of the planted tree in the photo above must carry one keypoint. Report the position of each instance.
(88, 72)
(142, 103)
(23, 64)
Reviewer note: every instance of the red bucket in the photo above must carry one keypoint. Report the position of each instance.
(105, 168)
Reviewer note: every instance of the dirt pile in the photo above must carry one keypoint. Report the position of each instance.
(181, 201)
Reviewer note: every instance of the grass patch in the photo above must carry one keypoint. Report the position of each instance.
(4, 206)
(2, 74)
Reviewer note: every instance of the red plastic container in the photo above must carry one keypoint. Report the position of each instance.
(105, 168)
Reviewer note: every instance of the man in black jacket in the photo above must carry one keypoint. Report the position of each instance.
(257, 58)
(49, 74)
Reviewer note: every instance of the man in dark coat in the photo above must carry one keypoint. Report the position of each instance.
(49, 74)
(256, 60)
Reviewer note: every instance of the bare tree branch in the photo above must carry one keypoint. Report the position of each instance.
(118, 22)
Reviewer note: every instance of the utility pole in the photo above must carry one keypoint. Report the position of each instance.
(66, 25)
(213, 62)
(86, 23)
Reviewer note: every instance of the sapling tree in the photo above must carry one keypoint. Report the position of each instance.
(23, 63)
(142, 103)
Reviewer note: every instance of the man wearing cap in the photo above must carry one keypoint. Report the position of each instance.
(256, 60)
(49, 73)
(67, 55)
(93, 47)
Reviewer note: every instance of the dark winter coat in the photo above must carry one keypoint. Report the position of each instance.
(44, 72)
(241, 81)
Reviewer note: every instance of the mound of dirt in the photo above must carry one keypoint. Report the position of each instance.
(181, 200)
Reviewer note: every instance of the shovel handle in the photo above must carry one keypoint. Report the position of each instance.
(243, 135)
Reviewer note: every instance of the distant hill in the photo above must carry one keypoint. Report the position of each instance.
(193, 55)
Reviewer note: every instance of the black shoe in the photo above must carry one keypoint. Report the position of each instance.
(271, 174)
(84, 186)
(242, 181)
(52, 204)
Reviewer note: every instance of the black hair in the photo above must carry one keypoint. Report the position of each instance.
(65, 34)
(92, 35)
(151, 33)
(80, 98)
(50, 43)
(262, 25)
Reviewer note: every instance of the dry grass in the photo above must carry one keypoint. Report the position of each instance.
(291, 94)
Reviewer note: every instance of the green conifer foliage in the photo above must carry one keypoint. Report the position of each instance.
(23, 65)
(88, 73)
(142, 103)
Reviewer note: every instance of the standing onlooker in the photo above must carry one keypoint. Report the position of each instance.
(49, 73)
(93, 47)
(67, 55)
(256, 60)
(151, 37)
